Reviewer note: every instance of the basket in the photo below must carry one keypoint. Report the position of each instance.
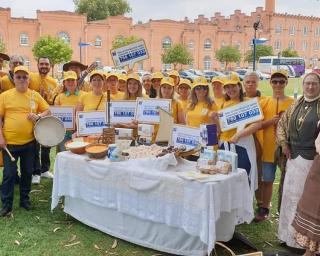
(108, 136)
(97, 150)
(76, 150)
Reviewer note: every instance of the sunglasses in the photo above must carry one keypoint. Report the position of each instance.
(201, 87)
(281, 82)
(21, 77)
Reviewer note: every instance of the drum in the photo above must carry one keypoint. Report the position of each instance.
(49, 131)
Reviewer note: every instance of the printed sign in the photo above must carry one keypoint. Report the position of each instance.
(89, 123)
(147, 109)
(65, 114)
(240, 115)
(121, 111)
(185, 136)
(130, 54)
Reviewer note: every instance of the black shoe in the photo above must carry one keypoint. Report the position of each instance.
(26, 205)
(5, 211)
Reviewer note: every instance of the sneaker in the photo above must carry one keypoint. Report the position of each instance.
(261, 215)
(36, 179)
(5, 211)
(47, 175)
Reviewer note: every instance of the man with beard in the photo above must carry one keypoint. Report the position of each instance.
(7, 80)
(44, 84)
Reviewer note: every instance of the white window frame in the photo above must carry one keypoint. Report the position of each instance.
(24, 39)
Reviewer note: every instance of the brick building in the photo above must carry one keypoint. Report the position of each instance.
(203, 36)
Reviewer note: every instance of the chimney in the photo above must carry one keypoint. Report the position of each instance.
(270, 6)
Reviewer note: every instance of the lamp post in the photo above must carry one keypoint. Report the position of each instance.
(255, 27)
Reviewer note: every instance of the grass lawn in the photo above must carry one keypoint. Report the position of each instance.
(40, 232)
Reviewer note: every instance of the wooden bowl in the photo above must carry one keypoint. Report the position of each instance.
(78, 147)
(97, 150)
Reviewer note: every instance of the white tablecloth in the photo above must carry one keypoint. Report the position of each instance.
(145, 202)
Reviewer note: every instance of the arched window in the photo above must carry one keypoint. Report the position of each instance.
(304, 45)
(317, 31)
(278, 28)
(24, 39)
(191, 44)
(291, 45)
(98, 42)
(207, 63)
(316, 46)
(166, 43)
(64, 36)
(277, 45)
(292, 30)
(305, 30)
(207, 44)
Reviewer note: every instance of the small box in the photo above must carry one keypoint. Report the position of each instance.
(228, 156)
(123, 133)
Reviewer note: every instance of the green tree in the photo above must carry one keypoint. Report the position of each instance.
(261, 50)
(289, 53)
(228, 54)
(57, 50)
(177, 54)
(121, 41)
(101, 9)
(2, 46)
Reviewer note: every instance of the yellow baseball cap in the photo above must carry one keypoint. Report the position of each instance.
(173, 73)
(21, 68)
(122, 77)
(157, 75)
(200, 81)
(281, 72)
(231, 78)
(167, 80)
(108, 75)
(185, 81)
(133, 76)
(96, 72)
(69, 75)
(217, 79)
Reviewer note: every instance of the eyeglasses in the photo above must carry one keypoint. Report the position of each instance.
(311, 83)
(201, 87)
(281, 82)
(21, 77)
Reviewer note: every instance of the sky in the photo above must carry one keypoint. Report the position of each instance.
(144, 10)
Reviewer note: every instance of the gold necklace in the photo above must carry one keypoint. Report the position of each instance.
(305, 111)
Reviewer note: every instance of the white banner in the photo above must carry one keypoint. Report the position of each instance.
(185, 136)
(240, 115)
(89, 123)
(147, 109)
(65, 114)
(130, 54)
(121, 111)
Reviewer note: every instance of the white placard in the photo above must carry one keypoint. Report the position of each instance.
(65, 114)
(185, 136)
(130, 54)
(121, 111)
(240, 115)
(89, 123)
(147, 109)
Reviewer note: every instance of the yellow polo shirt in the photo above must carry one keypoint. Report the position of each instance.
(70, 100)
(184, 104)
(219, 102)
(269, 133)
(48, 83)
(200, 114)
(14, 108)
(92, 102)
(6, 83)
(117, 96)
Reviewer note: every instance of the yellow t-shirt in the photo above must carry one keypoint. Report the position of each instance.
(86, 87)
(184, 104)
(6, 83)
(48, 83)
(70, 100)
(269, 133)
(219, 102)
(14, 108)
(200, 114)
(92, 102)
(117, 96)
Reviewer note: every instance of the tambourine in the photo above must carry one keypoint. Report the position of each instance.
(49, 131)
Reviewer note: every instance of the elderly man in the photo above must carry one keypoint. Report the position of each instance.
(20, 108)
(7, 81)
(44, 84)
